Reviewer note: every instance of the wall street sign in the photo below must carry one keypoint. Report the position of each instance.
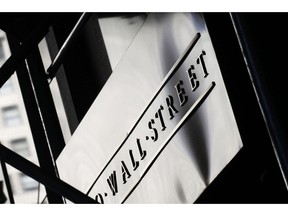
(162, 128)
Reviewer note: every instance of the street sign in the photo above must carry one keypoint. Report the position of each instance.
(162, 128)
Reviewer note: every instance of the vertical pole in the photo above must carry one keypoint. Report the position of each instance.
(7, 182)
(45, 103)
(260, 67)
(35, 121)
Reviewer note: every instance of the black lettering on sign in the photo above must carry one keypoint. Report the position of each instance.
(99, 198)
(170, 105)
(112, 182)
(135, 163)
(155, 137)
(181, 93)
(200, 60)
(125, 172)
(142, 152)
(193, 78)
(159, 115)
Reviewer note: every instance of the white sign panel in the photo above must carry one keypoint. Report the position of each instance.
(162, 128)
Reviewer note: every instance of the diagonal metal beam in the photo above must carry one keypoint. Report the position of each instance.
(52, 70)
(32, 40)
(55, 184)
(7, 182)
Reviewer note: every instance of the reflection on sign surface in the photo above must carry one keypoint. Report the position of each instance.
(120, 171)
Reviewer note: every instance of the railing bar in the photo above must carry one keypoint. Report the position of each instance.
(52, 69)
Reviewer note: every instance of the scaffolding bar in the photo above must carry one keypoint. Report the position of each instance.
(35, 121)
(7, 182)
(52, 70)
(12, 63)
(55, 184)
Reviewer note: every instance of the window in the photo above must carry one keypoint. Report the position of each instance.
(2, 55)
(28, 183)
(11, 116)
(21, 146)
(7, 87)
